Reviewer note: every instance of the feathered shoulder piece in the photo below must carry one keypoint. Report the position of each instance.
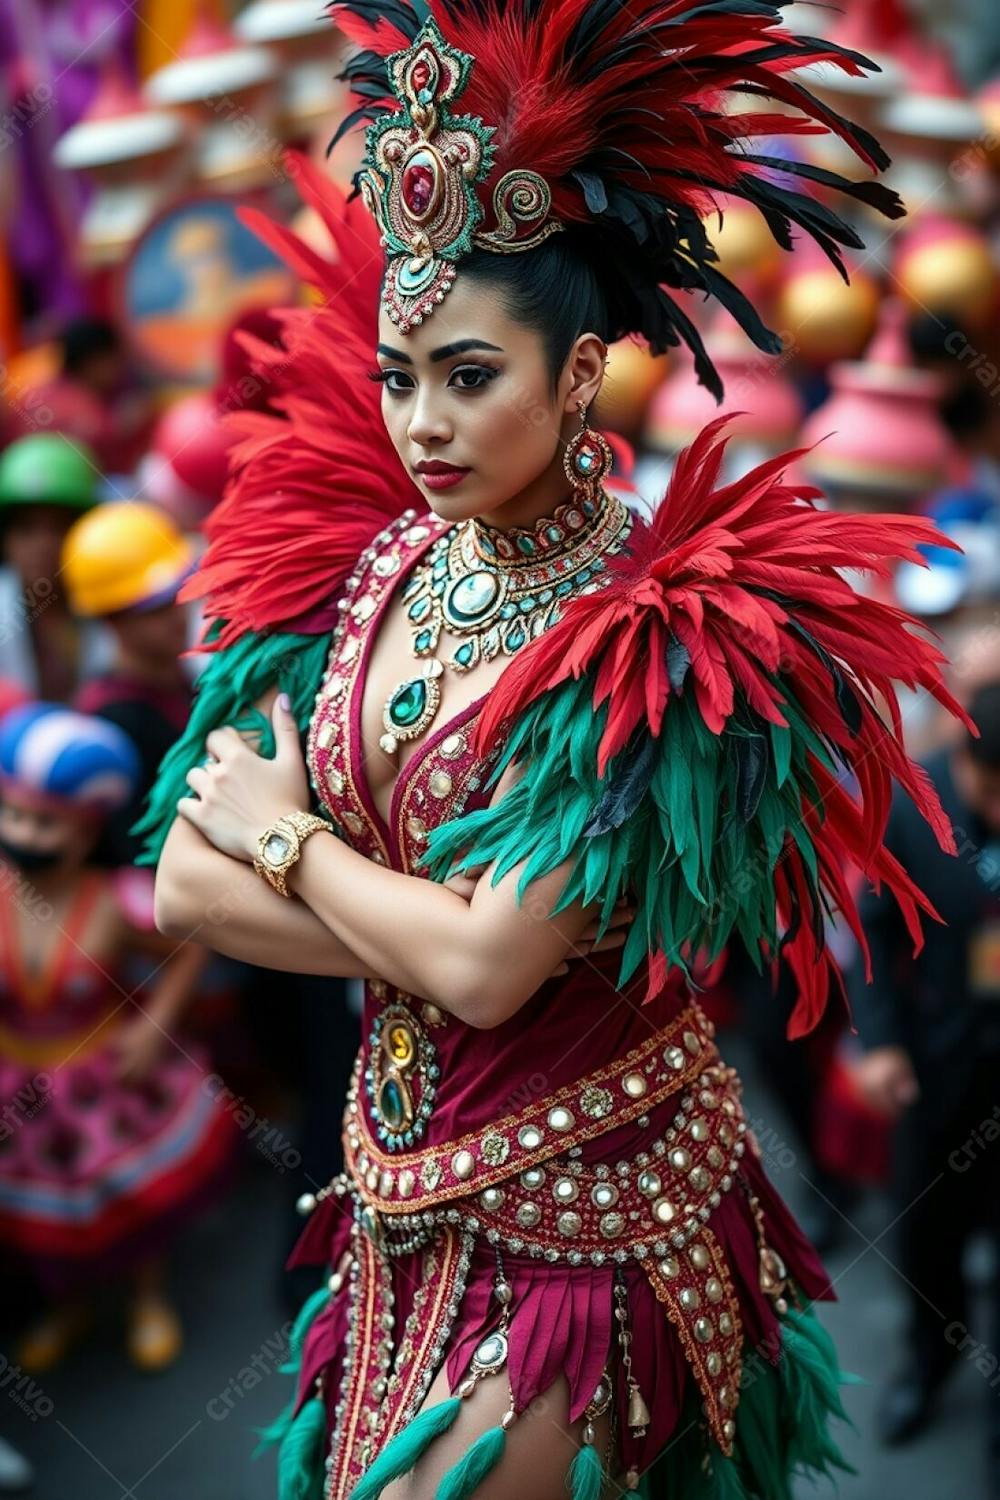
(312, 482)
(495, 123)
(719, 729)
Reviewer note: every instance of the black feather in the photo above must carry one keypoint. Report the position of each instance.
(752, 762)
(678, 662)
(628, 785)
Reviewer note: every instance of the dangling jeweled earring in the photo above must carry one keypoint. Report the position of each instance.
(587, 459)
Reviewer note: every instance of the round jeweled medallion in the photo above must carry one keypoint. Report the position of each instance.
(470, 599)
(492, 1353)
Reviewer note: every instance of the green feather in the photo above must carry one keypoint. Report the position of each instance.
(225, 693)
(277, 1430)
(472, 1468)
(699, 847)
(308, 1313)
(782, 1424)
(401, 1454)
(586, 1475)
(300, 1457)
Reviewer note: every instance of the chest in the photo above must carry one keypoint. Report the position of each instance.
(385, 802)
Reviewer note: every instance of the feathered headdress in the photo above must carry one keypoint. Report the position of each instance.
(494, 123)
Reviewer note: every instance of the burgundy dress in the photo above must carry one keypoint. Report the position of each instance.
(586, 1139)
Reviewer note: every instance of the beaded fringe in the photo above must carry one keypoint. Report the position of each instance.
(782, 1432)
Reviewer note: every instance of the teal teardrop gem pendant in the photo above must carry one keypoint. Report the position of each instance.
(410, 707)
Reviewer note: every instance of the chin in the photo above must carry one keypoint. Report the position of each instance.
(459, 504)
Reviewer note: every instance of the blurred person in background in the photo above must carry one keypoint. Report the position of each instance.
(110, 1138)
(930, 1027)
(123, 563)
(46, 482)
(95, 398)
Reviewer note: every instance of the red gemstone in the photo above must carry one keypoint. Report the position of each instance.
(418, 184)
(419, 75)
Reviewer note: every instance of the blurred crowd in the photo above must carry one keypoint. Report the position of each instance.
(133, 1069)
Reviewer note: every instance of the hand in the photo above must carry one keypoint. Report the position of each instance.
(588, 942)
(239, 793)
(886, 1078)
(136, 1046)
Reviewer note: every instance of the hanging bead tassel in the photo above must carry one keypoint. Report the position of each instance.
(638, 1411)
(586, 1473)
(489, 1359)
(772, 1272)
(402, 1453)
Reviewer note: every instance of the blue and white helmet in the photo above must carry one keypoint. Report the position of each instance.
(64, 756)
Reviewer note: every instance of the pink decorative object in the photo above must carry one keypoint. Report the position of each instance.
(756, 386)
(880, 432)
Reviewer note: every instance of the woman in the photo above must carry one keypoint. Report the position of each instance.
(554, 1248)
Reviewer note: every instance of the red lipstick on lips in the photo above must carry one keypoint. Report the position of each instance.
(440, 476)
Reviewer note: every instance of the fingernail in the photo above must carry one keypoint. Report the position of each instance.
(284, 701)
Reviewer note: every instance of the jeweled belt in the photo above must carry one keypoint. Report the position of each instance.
(501, 1178)
(519, 1182)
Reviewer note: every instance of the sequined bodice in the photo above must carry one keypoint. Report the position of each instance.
(438, 780)
(459, 1075)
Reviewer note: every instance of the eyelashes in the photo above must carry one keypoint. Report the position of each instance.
(484, 375)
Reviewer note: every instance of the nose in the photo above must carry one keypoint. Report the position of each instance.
(428, 425)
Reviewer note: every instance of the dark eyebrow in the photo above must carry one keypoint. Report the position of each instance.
(446, 351)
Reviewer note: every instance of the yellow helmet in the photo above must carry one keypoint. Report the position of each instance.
(125, 554)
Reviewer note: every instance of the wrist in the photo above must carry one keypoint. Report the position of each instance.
(279, 846)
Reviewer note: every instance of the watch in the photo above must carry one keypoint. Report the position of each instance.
(279, 846)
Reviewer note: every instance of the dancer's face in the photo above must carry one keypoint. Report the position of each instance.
(471, 388)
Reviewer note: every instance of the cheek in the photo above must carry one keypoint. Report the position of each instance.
(394, 419)
(514, 432)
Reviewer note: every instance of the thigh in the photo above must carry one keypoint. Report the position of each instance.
(539, 1450)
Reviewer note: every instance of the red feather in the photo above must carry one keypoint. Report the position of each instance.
(312, 484)
(698, 571)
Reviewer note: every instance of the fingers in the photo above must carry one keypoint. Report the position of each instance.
(192, 810)
(588, 944)
(622, 917)
(198, 780)
(220, 742)
(287, 743)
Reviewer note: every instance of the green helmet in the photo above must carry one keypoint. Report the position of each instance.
(47, 468)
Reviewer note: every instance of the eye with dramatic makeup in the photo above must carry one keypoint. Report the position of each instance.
(465, 377)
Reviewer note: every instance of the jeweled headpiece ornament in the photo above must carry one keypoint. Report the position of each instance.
(625, 126)
(422, 168)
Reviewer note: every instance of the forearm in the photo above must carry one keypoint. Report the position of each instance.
(480, 959)
(207, 896)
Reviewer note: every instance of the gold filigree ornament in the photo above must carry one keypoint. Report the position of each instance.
(419, 178)
(401, 1076)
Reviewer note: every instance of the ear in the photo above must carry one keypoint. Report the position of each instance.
(585, 368)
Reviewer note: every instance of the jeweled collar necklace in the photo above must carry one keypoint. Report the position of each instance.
(496, 590)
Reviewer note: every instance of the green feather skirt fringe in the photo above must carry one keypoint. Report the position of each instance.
(225, 693)
(782, 1434)
(782, 1425)
(301, 1437)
